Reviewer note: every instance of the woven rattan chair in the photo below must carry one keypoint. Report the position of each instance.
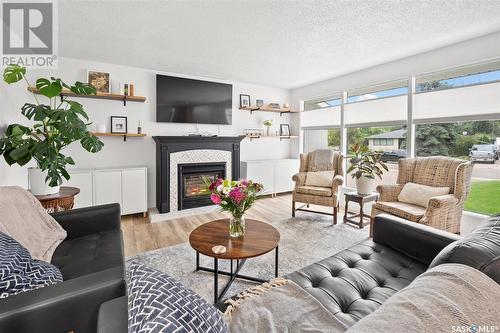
(442, 212)
(314, 195)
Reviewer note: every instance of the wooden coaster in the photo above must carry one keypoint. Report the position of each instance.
(218, 249)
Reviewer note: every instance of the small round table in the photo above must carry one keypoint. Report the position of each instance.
(61, 201)
(259, 238)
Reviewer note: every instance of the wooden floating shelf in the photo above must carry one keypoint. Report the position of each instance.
(281, 137)
(267, 109)
(115, 97)
(124, 135)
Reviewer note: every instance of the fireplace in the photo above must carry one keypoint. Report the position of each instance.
(191, 188)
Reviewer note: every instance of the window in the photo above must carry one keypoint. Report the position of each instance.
(478, 141)
(390, 153)
(321, 139)
(390, 89)
(383, 142)
(460, 77)
(322, 103)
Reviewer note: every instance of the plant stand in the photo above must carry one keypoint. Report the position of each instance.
(361, 199)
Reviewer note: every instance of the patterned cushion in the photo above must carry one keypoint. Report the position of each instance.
(159, 303)
(19, 272)
(315, 190)
(405, 210)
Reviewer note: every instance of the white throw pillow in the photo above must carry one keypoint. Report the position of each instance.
(320, 178)
(418, 194)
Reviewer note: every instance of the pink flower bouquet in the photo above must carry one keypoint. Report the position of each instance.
(234, 197)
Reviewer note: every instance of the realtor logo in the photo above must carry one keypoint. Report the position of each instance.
(29, 34)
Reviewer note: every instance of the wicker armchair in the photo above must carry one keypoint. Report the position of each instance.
(442, 212)
(314, 195)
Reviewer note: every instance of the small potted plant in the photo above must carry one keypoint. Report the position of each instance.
(235, 197)
(268, 123)
(364, 166)
(57, 124)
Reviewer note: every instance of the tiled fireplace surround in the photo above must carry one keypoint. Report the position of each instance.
(174, 150)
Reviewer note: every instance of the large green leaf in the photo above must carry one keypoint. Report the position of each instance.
(21, 153)
(48, 88)
(77, 108)
(13, 73)
(91, 143)
(37, 112)
(83, 89)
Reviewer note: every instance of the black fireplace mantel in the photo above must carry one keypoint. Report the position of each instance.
(165, 145)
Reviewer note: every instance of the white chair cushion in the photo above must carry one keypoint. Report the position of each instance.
(418, 194)
(320, 178)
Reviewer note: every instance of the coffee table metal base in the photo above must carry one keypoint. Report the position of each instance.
(233, 274)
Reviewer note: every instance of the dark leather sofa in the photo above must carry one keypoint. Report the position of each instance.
(355, 282)
(91, 260)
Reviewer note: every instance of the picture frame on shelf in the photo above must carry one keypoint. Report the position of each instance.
(259, 103)
(284, 130)
(244, 101)
(119, 124)
(253, 132)
(101, 81)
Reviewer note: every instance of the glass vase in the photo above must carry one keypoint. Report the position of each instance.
(236, 226)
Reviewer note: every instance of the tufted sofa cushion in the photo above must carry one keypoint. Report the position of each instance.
(355, 282)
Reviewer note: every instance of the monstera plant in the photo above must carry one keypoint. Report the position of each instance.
(57, 123)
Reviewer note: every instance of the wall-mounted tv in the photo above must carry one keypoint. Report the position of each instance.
(181, 100)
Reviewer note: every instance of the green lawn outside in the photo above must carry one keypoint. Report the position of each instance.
(484, 197)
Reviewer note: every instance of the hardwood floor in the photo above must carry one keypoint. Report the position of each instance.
(141, 236)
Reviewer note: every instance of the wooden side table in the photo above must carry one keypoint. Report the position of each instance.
(364, 219)
(58, 202)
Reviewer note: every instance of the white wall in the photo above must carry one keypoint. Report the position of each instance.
(467, 52)
(140, 151)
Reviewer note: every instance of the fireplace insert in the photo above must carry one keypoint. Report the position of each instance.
(191, 188)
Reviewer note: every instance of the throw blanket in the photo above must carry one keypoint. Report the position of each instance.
(321, 160)
(446, 298)
(279, 306)
(23, 218)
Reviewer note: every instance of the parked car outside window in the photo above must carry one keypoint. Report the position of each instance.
(483, 152)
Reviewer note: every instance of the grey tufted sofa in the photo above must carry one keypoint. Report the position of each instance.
(355, 282)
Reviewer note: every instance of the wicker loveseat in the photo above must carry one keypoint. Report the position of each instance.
(317, 195)
(442, 212)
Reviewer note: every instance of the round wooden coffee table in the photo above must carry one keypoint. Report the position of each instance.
(60, 201)
(259, 238)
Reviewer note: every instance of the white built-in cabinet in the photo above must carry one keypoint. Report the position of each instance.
(275, 175)
(126, 186)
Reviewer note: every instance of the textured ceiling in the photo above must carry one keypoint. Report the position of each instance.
(278, 43)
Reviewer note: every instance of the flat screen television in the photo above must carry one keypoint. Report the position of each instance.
(181, 100)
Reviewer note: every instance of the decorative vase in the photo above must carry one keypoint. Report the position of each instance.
(268, 130)
(236, 226)
(38, 186)
(364, 185)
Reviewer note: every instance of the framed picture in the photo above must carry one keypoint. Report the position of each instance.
(244, 101)
(100, 81)
(118, 124)
(260, 103)
(253, 132)
(284, 130)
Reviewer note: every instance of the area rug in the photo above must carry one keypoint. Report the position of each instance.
(304, 240)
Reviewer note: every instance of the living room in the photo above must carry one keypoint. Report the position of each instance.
(248, 166)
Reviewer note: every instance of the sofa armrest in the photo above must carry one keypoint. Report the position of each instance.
(338, 180)
(72, 305)
(417, 241)
(299, 178)
(85, 221)
(389, 192)
(442, 201)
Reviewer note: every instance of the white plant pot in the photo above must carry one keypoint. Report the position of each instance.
(365, 185)
(38, 186)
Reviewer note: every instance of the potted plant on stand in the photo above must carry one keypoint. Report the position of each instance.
(234, 197)
(364, 166)
(57, 124)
